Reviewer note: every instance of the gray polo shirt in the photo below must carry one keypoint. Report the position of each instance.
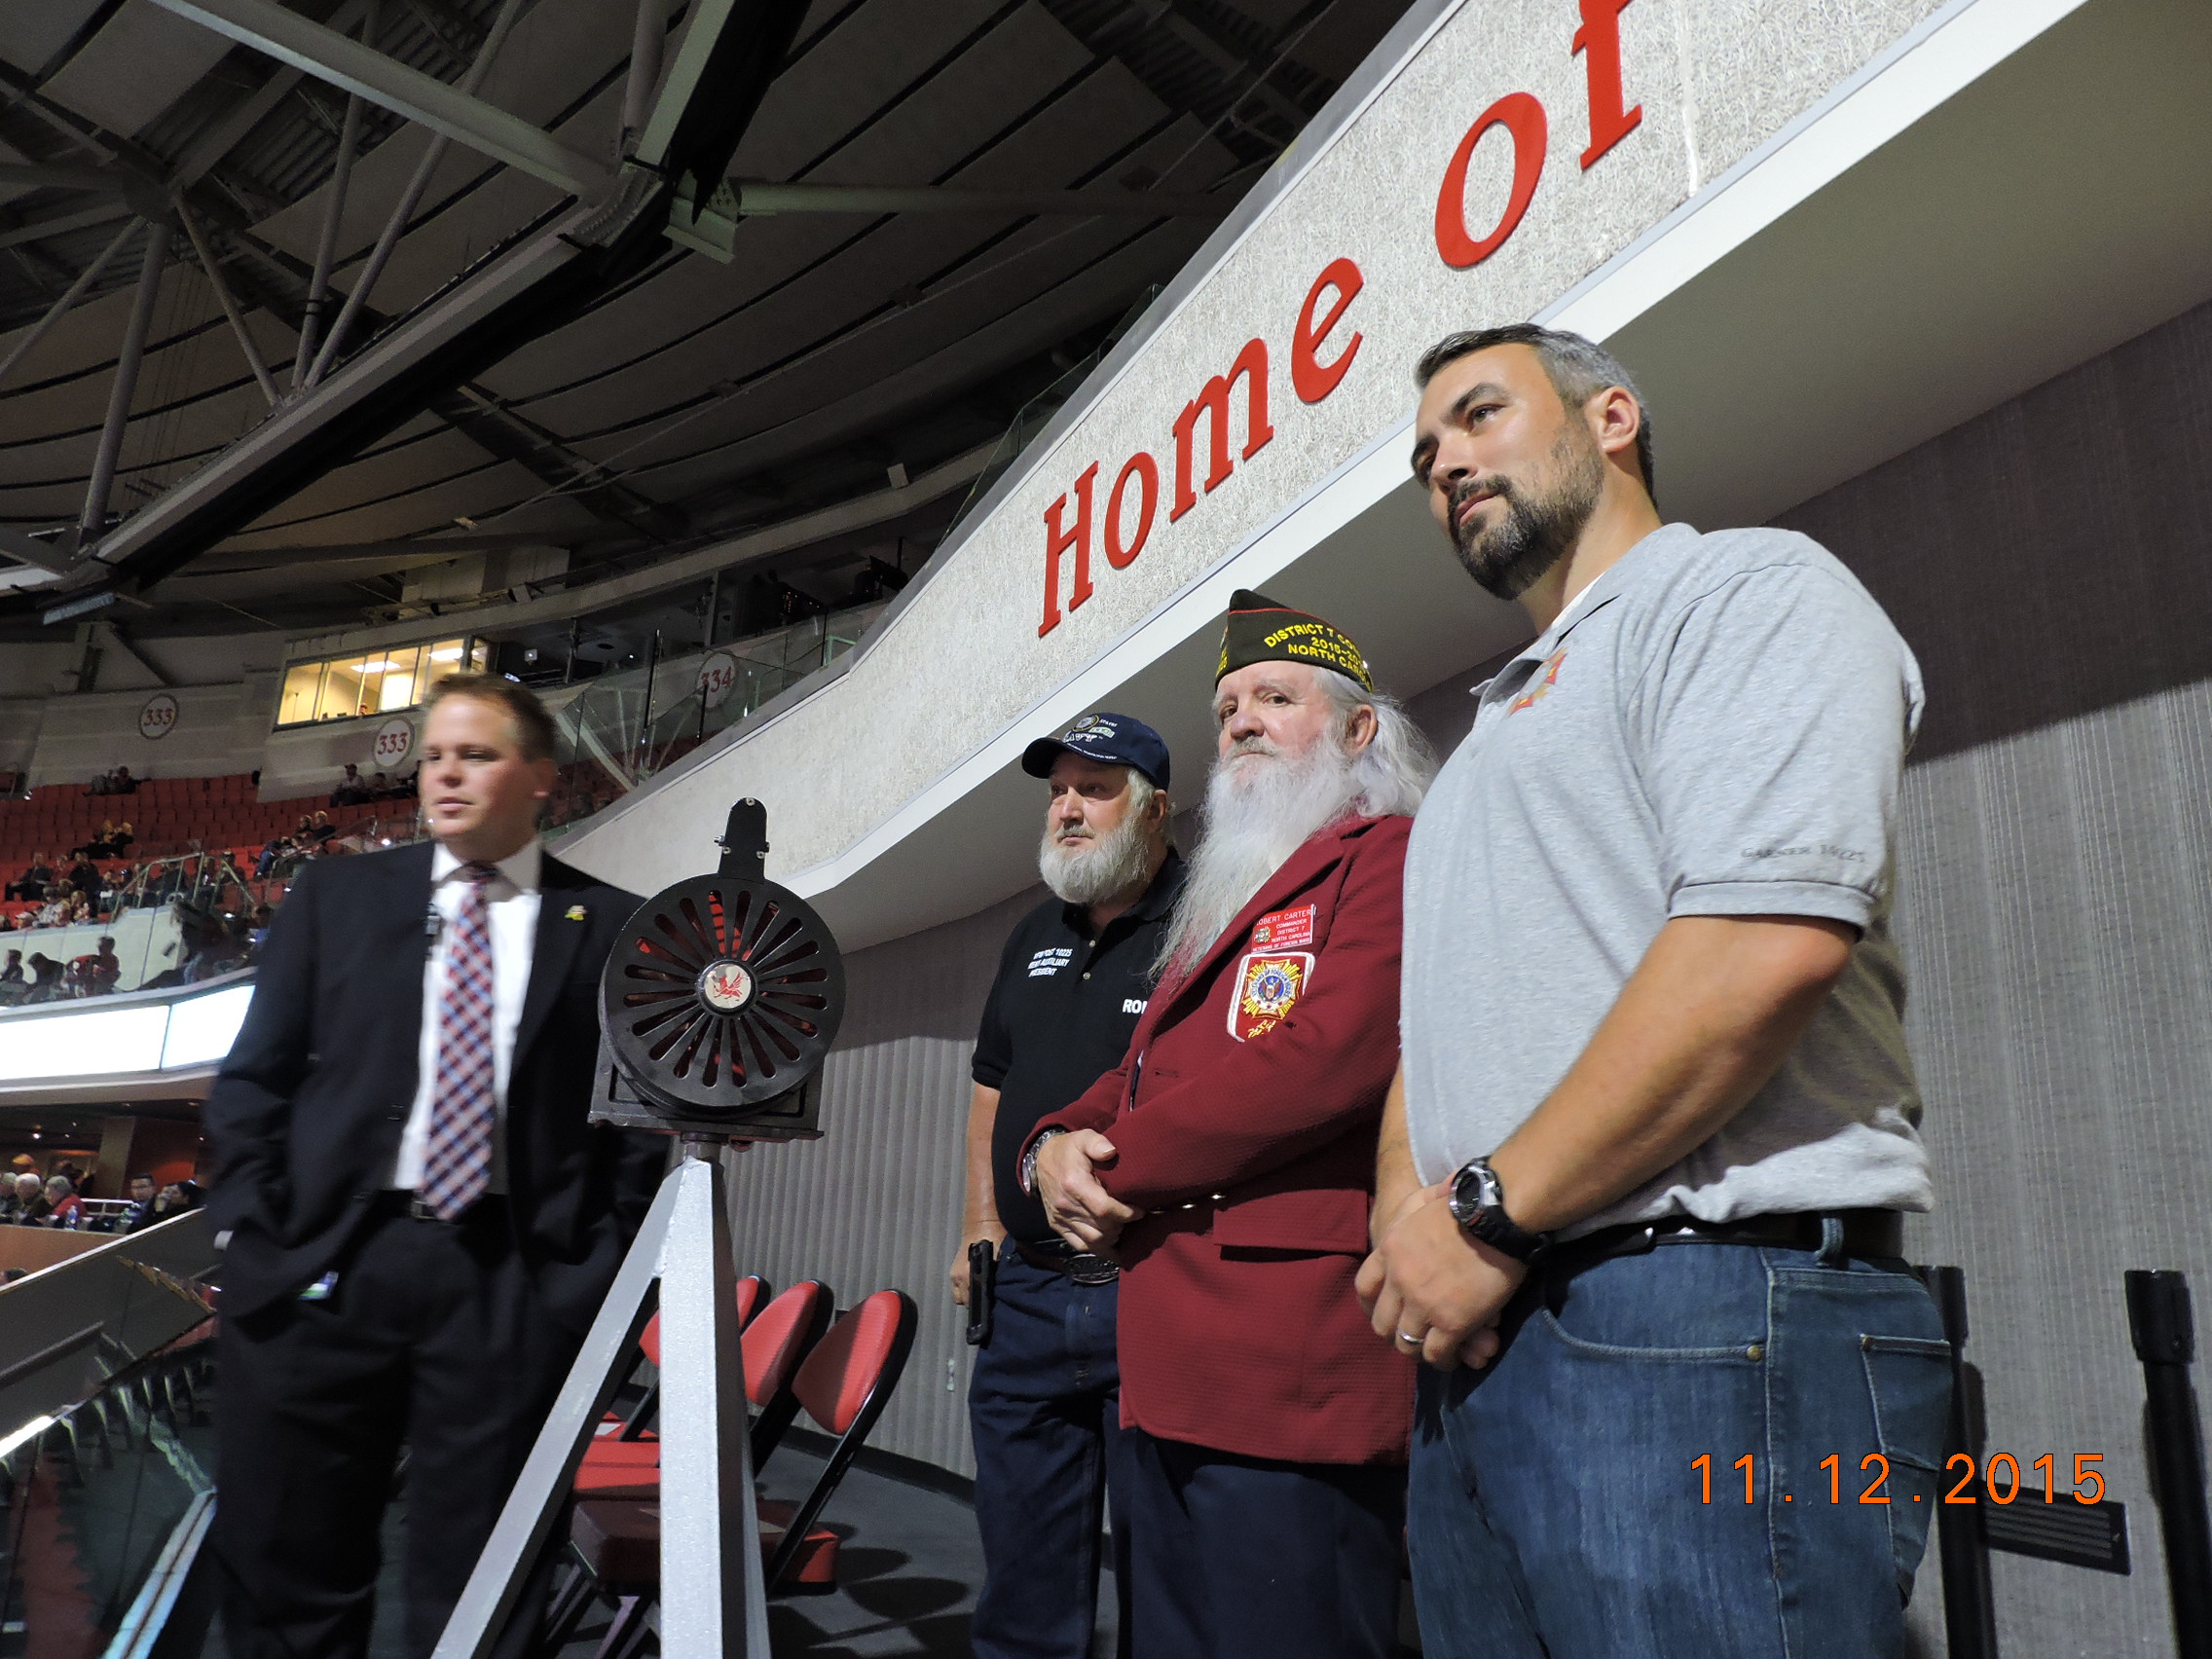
(1718, 727)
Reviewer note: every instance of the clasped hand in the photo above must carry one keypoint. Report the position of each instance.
(1080, 1210)
(1427, 1280)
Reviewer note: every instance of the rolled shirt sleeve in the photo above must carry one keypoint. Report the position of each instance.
(1774, 724)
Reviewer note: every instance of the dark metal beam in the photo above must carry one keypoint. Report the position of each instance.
(500, 431)
(368, 73)
(536, 288)
(60, 306)
(126, 383)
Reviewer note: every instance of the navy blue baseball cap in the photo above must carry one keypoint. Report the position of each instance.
(1114, 740)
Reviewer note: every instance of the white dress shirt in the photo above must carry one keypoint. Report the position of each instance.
(511, 900)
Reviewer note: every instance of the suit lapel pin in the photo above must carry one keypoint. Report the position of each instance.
(575, 913)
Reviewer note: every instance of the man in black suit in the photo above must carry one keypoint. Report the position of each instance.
(420, 1219)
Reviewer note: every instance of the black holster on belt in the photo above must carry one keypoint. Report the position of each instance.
(982, 1290)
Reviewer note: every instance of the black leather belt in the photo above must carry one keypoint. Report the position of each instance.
(396, 1203)
(1060, 1257)
(1867, 1233)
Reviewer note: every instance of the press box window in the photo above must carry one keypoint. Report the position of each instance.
(375, 682)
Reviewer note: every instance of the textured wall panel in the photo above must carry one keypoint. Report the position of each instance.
(2051, 562)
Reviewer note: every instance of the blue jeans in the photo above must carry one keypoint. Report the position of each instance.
(1558, 1506)
(1044, 1412)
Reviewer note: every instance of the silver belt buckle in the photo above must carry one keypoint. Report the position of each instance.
(418, 1210)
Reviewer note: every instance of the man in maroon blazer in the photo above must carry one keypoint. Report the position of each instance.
(1226, 1164)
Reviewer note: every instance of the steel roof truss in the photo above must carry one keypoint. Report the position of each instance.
(353, 67)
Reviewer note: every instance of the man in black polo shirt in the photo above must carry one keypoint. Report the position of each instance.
(1044, 1406)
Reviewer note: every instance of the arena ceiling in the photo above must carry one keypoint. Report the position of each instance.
(936, 209)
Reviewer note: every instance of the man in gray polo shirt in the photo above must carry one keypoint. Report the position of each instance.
(1640, 1176)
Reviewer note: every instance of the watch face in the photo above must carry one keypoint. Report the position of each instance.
(1474, 1187)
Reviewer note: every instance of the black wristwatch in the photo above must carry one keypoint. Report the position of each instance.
(1478, 1205)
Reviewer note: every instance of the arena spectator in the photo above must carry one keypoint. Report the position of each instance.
(142, 1213)
(30, 886)
(107, 967)
(26, 1200)
(118, 782)
(379, 788)
(272, 850)
(350, 790)
(54, 912)
(84, 877)
(46, 977)
(64, 1208)
(263, 914)
(12, 973)
(122, 840)
(322, 829)
(179, 1197)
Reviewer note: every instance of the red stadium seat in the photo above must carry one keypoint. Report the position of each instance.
(627, 1459)
(843, 1384)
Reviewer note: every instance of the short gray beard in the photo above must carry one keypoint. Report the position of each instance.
(1102, 867)
(1256, 814)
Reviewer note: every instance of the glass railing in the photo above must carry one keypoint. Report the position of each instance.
(623, 727)
(104, 1442)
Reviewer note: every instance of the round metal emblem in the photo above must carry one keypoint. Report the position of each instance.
(725, 986)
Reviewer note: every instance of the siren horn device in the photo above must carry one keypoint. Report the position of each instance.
(721, 997)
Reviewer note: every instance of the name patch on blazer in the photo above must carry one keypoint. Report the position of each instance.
(1284, 929)
(1268, 987)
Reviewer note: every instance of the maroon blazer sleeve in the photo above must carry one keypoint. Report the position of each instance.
(1095, 1108)
(1319, 1073)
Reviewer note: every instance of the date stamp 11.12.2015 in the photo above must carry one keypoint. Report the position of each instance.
(1998, 1480)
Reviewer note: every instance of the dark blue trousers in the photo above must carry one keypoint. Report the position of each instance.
(1240, 1556)
(1045, 1411)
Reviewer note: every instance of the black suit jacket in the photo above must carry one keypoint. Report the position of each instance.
(307, 1114)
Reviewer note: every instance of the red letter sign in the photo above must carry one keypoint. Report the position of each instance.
(1213, 400)
(1146, 471)
(1523, 117)
(1058, 540)
(1314, 379)
(1599, 39)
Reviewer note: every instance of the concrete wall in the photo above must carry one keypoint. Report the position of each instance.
(219, 729)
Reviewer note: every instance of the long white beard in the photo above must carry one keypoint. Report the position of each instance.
(1099, 868)
(1258, 812)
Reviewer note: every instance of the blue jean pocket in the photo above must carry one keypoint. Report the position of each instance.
(1909, 1382)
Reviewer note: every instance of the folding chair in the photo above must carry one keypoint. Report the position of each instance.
(625, 1455)
(625, 1564)
(844, 1385)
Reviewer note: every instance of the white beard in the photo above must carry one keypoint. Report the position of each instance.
(1258, 812)
(1097, 868)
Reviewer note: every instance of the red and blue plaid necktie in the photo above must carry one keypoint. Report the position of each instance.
(457, 1162)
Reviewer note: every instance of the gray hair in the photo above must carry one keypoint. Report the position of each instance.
(1141, 791)
(1394, 770)
(1578, 368)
